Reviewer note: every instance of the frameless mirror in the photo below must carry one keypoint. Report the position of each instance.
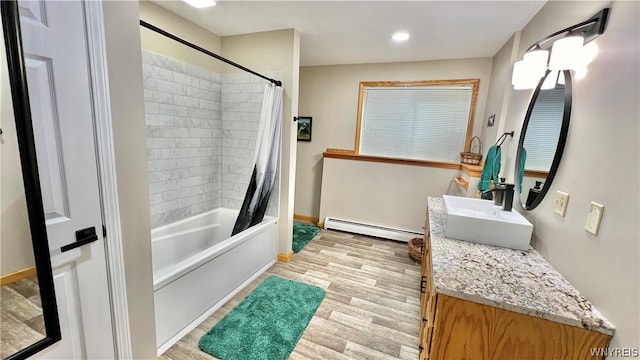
(542, 138)
(29, 319)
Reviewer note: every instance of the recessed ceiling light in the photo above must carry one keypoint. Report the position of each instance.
(400, 36)
(199, 4)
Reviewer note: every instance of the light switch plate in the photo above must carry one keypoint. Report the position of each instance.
(594, 217)
(560, 207)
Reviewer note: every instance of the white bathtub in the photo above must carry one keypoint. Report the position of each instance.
(198, 266)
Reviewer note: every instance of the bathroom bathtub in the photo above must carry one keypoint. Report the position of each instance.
(198, 266)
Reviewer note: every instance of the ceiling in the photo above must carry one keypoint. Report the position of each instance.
(354, 32)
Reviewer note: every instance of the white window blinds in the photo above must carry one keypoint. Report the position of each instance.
(543, 129)
(415, 122)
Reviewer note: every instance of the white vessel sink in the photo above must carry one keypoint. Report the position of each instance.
(482, 222)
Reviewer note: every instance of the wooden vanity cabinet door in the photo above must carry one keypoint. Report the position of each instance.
(468, 330)
(428, 296)
(426, 285)
(426, 268)
(427, 232)
(428, 322)
(423, 294)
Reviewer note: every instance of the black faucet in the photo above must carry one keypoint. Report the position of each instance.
(507, 205)
(503, 196)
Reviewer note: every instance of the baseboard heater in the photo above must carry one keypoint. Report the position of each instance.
(370, 229)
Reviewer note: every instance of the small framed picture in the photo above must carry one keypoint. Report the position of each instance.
(304, 128)
(491, 121)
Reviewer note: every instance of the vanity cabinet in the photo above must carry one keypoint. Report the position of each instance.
(460, 322)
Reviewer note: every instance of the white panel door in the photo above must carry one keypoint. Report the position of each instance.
(54, 38)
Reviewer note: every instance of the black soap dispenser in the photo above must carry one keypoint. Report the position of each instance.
(533, 193)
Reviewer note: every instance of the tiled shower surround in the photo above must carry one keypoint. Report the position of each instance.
(201, 134)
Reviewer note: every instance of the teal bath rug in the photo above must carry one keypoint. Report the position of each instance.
(302, 234)
(267, 324)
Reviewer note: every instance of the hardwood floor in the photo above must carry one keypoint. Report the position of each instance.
(22, 323)
(371, 309)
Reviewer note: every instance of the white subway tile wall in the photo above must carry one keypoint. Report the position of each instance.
(182, 115)
(201, 133)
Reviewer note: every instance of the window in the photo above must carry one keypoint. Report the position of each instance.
(543, 130)
(427, 120)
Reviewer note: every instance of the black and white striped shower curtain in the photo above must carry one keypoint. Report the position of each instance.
(266, 161)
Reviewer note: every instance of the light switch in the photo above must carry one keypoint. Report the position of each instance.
(593, 218)
(560, 207)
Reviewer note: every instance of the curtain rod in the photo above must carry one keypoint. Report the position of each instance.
(203, 50)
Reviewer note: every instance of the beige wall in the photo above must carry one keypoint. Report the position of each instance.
(173, 23)
(266, 52)
(124, 64)
(383, 194)
(16, 250)
(329, 94)
(498, 96)
(600, 164)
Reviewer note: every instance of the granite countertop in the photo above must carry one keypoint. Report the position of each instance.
(516, 280)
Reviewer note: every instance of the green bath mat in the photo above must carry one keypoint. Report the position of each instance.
(267, 324)
(302, 234)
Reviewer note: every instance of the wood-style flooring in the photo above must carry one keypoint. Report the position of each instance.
(22, 323)
(371, 309)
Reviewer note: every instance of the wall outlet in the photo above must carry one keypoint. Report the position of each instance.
(560, 207)
(593, 218)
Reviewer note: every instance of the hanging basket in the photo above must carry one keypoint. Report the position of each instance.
(470, 157)
(415, 246)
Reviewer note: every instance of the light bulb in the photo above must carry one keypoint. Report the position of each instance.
(523, 78)
(199, 4)
(400, 36)
(518, 71)
(566, 53)
(536, 61)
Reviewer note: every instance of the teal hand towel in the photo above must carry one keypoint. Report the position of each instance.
(523, 159)
(491, 168)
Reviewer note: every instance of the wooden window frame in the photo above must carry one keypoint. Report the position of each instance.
(475, 83)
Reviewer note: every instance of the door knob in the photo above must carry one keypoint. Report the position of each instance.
(83, 237)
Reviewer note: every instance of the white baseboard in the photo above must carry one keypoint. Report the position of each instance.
(371, 229)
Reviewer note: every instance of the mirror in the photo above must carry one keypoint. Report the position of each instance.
(29, 319)
(22, 320)
(542, 139)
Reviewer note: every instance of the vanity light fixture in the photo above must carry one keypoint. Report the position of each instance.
(400, 36)
(200, 4)
(571, 50)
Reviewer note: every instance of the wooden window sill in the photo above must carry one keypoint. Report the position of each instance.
(536, 173)
(351, 155)
(472, 170)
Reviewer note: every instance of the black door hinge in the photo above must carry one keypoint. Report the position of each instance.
(104, 231)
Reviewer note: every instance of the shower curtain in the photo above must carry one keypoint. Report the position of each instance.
(265, 160)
